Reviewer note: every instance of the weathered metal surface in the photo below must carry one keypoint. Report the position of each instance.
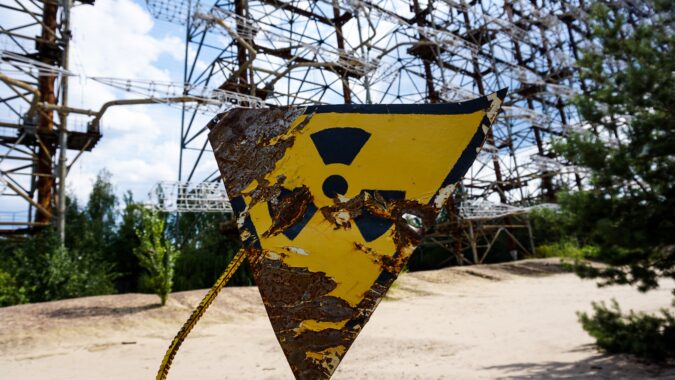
(331, 201)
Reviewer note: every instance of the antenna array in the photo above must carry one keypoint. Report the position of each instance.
(295, 52)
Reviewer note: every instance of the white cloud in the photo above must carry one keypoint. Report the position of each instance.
(113, 39)
(140, 144)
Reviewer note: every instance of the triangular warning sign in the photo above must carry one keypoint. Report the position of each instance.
(332, 200)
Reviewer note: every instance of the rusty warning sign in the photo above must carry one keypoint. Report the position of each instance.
(331, 201)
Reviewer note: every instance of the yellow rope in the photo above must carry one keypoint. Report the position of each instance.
(198, 312)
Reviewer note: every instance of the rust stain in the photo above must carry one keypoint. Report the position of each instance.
(289, 210)
(241, 143)
(294, 295)
(341, 213)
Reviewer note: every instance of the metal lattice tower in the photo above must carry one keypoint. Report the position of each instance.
(34, 40)
(174, 196)
(35, 131)
(282, 52)
(293, 52)
(391, 51)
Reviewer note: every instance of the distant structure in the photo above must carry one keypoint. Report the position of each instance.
(34, 129)
(290, 52)
(256, 53)
(175, 196)
(37, 125)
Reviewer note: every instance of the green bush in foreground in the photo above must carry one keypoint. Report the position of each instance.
(626, 206)
(643, 335)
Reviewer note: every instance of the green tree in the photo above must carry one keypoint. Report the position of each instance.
(627, 212)
(10, 291)
(76, 224)
(40, 269)
(101, 213)
(629, 101)
(155, 254)
(125, 241)
(92, 230)
(206, 248)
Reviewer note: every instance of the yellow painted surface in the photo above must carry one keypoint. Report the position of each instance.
(314, 355)
(404, 152)
(412, 153)
(329, 357)
(314, 325)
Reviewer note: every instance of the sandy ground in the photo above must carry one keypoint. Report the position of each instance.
(484, 322)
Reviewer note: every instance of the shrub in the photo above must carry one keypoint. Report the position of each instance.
(643, 335)
(43, 270)
(74, 274)
(566, 249)
(205, 250)
(549, 225)
(156, 255)
(10, 292)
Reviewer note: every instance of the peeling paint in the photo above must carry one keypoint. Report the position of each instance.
(297, 250)
(443, 196)
(495, 104)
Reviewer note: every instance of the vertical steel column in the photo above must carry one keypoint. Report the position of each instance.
(344, 77)
(63, 117)
(478, 78)
(241, 10)
(432, 95)
(45, 180)
(188, 25)
(546, 182)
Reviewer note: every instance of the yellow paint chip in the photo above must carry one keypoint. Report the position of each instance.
(314, 325)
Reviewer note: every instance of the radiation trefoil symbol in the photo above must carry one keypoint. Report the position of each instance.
(331, 201)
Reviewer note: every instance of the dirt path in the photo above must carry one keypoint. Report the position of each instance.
(500, 321)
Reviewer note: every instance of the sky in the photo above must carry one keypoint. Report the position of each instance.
(140, 144)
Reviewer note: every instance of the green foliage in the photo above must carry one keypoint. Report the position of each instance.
(555, 233)
(101, 211)
(102, 248)
(29, 263)
(648, 336)
(123, 245)
(10, 292)
(549, 225)
(93, 226)
(77, 225)
(155, 254)
(627, 213)
(42, 270)
(205, 251)
(566, 249)
(74, 274)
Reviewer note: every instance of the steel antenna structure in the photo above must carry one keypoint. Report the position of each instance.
(175, 196)
(34, 133)
(292, 52)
